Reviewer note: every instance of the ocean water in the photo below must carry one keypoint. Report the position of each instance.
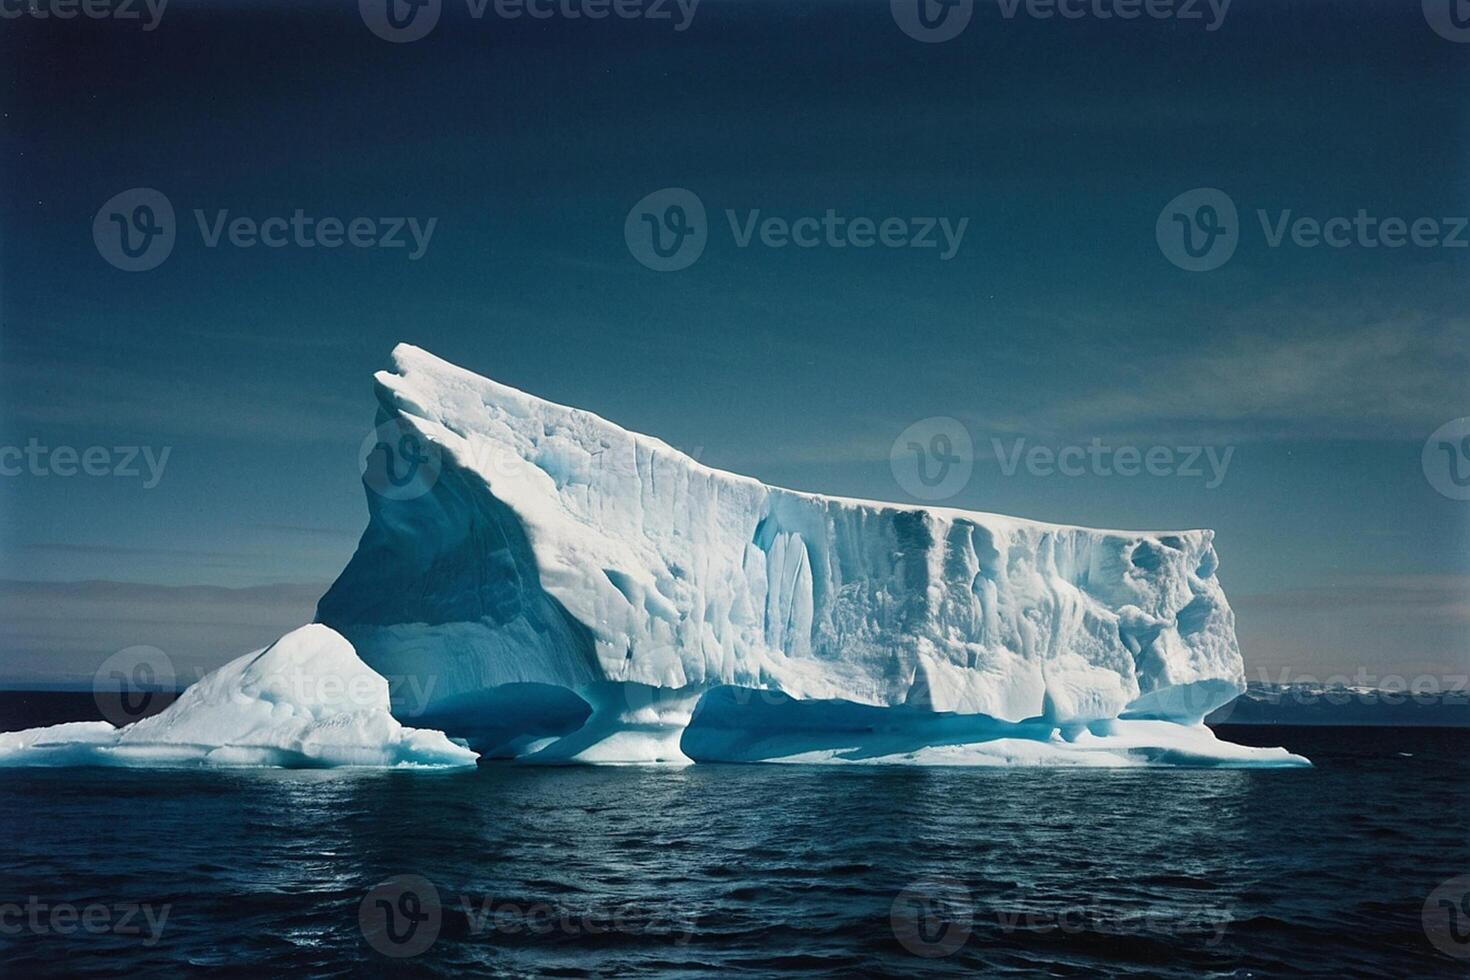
(760, 870)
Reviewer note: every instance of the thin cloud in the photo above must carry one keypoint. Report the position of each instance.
(64, 630)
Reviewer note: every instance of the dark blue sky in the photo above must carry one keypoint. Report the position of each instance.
(1058, 321)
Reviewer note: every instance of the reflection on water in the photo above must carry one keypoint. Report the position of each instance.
(766, 868)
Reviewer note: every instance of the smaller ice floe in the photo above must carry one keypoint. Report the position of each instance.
(304, 701)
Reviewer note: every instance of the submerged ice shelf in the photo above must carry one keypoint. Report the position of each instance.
(559, 589)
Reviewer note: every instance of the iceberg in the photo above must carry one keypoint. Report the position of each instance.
(558, 589)
(304, 701)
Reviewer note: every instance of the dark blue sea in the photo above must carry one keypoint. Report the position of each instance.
(752, 870)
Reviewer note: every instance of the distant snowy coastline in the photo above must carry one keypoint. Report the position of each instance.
(1265, 703)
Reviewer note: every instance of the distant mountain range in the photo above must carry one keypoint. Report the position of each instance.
(1317, 704)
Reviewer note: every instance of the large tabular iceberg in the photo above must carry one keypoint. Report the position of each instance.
(304, 701)
(557, 588)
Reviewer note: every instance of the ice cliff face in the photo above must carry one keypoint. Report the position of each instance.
(545, 552)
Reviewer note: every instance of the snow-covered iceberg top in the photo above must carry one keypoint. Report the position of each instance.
(304, 701)
(521, 552)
